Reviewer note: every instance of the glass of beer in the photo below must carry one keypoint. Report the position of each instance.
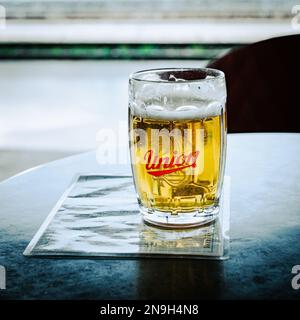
(177, 134)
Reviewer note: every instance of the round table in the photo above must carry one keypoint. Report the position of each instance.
(265, 233)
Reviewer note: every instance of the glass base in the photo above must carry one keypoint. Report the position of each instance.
(180, 220)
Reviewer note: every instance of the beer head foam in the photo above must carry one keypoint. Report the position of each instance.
(178, 99)
(187, 112)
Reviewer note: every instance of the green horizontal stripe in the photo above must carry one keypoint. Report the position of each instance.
(113, 51)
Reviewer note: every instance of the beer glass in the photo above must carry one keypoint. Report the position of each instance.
(177, 140)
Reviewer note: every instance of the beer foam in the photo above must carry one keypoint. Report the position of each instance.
(187, 112)
(179, 99)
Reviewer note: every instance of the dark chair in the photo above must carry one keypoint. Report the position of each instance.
(263, 86)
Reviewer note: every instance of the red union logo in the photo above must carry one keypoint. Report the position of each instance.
(159, 166)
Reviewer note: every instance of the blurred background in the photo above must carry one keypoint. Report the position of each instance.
(64, 64)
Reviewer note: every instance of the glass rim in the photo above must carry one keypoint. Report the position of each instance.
(215, 73)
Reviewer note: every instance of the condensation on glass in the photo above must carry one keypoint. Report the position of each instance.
(177, 133)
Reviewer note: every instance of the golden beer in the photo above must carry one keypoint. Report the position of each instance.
(177, 155)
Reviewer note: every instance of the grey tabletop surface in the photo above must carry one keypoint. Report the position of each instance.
(265, 234)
